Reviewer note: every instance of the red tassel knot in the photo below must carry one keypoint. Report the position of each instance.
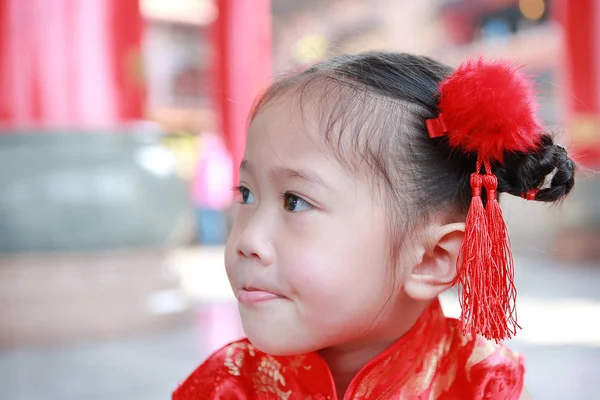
(473, 265)
(502, 292)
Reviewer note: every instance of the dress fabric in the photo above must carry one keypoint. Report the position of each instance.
(433, 361)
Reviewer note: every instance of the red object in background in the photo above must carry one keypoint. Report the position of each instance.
(126, 27)
(458, 25)
(461, 17)
(70, 64)
(581, 22)
(241, 43)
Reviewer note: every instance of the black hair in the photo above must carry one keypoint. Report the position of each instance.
(381, 101)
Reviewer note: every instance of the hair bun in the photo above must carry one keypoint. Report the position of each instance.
(548, 169)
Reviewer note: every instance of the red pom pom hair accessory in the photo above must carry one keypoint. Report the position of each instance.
(487, 108)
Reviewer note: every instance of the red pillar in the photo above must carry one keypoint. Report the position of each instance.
(70, 64)
(578, 236)
(581, 22)
(241, 42)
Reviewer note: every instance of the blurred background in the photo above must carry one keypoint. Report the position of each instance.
(120, 125)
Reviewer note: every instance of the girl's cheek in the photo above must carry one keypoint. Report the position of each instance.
(294, 273)
(308, 278)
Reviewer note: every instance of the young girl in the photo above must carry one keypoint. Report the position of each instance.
(368, 188)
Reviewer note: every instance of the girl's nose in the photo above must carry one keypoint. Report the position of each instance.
(254, 243)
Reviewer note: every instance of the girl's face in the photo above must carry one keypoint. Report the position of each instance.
(307, 257)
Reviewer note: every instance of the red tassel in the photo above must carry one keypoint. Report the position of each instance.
(476, 260)
(501, 293)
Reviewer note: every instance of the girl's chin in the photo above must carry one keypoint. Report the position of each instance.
(275, 346)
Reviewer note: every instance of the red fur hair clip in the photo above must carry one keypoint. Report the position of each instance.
(487, 108)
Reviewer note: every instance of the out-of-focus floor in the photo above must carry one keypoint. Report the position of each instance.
(559, 310)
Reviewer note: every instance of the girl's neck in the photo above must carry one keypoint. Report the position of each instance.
(346, 360)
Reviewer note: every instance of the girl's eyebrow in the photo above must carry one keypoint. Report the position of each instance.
(302, 174)
(245, 166)
(289, 173)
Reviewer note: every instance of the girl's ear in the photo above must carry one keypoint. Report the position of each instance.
(435, 269)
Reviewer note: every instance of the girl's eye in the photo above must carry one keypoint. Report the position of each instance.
(293, 203)
(246, 196)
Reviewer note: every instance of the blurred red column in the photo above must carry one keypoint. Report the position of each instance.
(581, 22)
(241, 43)
(70, 63)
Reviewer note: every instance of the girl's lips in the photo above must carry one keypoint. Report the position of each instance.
(252, 296)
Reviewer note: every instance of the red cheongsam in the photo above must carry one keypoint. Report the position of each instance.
(432, 361)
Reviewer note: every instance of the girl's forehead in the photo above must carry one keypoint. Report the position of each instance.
(279, 139)
(310, 123)
(281, 127)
